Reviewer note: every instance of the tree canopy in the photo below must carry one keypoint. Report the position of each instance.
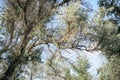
(24, 24)
(26, 34)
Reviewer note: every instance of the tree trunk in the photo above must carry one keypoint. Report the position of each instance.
(11, 69)
(18, 60)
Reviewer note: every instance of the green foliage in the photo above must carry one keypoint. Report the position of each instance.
(65, 70)
(25, 23)
(80, 68)
(115, 5)
(105, 33)
(111, 71)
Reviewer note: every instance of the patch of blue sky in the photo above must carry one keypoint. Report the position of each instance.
(2, 4)
(94, 6)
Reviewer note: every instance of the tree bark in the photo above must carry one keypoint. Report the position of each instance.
(18, 60)
(11, 69)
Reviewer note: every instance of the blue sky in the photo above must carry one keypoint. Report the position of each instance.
(1, 5)
(94, 4)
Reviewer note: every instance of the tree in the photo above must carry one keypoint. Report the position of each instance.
(108, 37)
(20, 19)
(24, 22)
(114, 13)
(107, 32)
(111, 70)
